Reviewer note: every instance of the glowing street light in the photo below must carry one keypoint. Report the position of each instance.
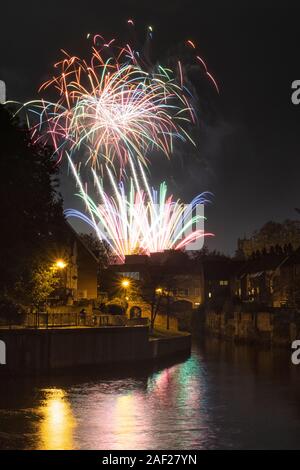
(60, 264)
(125, 283)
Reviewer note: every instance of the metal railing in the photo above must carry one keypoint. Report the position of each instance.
(51, 320)
(46, 320)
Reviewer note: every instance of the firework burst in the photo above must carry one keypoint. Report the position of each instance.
(142, 220)
(111, 109)
(111, 112)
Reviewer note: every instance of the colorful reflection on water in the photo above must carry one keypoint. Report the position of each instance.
(221, 397)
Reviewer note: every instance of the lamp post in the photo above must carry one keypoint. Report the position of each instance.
(160, 292)
(125, 285)
(60, 265)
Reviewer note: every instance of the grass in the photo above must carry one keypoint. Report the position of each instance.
(163, 333)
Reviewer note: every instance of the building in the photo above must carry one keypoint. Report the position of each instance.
(268, 278)
(78, 268)
(171, 271)
(286, 283)
(255, 280)
(219, 277)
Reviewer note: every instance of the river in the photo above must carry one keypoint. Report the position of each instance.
(223, 396)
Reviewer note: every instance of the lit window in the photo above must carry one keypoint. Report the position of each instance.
(224, 283)
(130, 275)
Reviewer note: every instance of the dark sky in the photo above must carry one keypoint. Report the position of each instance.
(249, 142)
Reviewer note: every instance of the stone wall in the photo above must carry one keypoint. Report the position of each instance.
(46, 350)
(161, 319)
(275, 327)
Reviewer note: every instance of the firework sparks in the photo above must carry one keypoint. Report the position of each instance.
(114, 107)
(203, 64)
(141, 221)
(117, 108)
(111, 109)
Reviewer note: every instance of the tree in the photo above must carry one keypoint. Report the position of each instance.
(30, 203)
(101, 249)
(275, 233)
(151, 289)
(44, 278)
(159, 283)
(205, 254)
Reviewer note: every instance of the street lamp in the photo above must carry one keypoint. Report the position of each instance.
(60, 264)
(59, 267)
(125, 283)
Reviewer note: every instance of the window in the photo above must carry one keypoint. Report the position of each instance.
(181, 292)
(131, 275)
(224, 283)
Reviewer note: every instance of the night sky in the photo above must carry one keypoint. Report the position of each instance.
(249, 145)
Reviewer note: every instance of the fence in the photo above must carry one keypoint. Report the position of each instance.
(50, 320)
(72, 319)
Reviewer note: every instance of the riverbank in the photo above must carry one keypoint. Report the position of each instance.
(272, 327)
(38, 351)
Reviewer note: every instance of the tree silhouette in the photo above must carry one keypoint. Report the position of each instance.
(31, 207)
(100, 249)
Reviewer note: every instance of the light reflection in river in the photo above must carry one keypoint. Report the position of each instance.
(57, 421)
(223, 396)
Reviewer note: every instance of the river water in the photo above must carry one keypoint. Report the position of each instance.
(223, 396)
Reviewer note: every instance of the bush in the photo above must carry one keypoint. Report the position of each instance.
(115, 309)
(11, 312)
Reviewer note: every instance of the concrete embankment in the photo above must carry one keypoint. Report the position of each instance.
(45, 350)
